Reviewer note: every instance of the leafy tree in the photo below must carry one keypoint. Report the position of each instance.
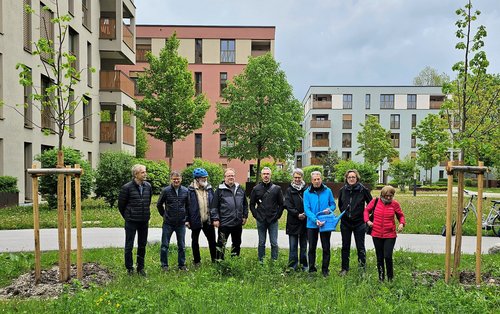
(367, 172)
(113, 171)
(170, 110)
(329, 161)
(430, 77)
(375, 143)
(433, 141)
(262, 118)
(403, 171)
(215, 172)
(141, 141)
(473, 111)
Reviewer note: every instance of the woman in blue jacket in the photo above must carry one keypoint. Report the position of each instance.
(318, 199)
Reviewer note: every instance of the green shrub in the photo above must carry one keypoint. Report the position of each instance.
(367, 172)
(215, 172)
(278, 175)
(308, 170)
(8, 184)
(158, 173)
(48, 183)
(113, 172)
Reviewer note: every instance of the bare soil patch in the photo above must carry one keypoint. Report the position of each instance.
(467, 278)
(24, 286)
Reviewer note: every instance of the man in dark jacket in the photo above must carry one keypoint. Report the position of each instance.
(172, 206)
(353, 197)
(266, 204)
(133, 202)
(229, 212)
(296, 220)
(200, 196)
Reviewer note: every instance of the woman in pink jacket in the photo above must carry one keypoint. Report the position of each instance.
(384, 228)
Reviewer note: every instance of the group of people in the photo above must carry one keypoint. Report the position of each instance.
(199, 207)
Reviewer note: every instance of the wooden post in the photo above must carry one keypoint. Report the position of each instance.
(479, 223)
(36, 226)
(60, 219)
(448, 224)
(458, 237)
(78, 209)
(68, 225)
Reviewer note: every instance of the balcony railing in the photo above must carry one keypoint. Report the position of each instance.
(108, 132)
(128, 36)
(324, 142)
(128, 135)
(114, 80)
(107, 28)
(435, 104)
(315, 161)
(325, 104)
(321, 123)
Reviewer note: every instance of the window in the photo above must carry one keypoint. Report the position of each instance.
(387, 101)
(376, 116)
(367, 101)
(46, 29)
(347, 101)
(71, 120)
(89, 64)
(198, 50)
(198, 138)
(224, 142)
(347, 121)
(86, 13)
(413, 121)
(140, 52)
(73, 47)
(71, 7)
(394, 121)
(346, 156)
(134, 76)
(89, 158)
(1, 85)
(346, 140)
(28, 106)
(27, 26)
(197, 83)
(223, 82)
(87, 118)
(227, 51)
(47, 112)
(395, 140)
(413, 141)
(412, 101)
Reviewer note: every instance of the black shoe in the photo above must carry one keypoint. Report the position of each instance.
(326, 273)
(183, 268)
(130, 272)
(342, 273)
(164, 268)
(141, 272)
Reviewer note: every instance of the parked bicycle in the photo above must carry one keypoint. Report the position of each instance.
(489, 222)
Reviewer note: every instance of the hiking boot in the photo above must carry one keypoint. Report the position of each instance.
(130, 272)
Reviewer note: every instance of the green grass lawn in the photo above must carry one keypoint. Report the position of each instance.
(241, 285)
(425, 214)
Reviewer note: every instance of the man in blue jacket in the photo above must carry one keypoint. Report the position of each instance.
(172, 206)
(318, 199)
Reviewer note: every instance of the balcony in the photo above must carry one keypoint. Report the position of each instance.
(116, 45)
(114, 80)
(315, 161)
(435, 104)
(107, 28)
(108, 132)
(128, 36)
(128, 135)
(324, 104)
(321, 123)
(324, 142)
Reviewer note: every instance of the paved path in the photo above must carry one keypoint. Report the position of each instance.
(23, 240)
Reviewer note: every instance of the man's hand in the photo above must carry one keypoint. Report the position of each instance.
(216, 224)
(188, 224)
(302, 216)
(244, 221)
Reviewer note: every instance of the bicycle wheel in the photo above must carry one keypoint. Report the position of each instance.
(496, 226)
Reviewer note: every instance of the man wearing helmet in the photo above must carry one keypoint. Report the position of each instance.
(198, 218)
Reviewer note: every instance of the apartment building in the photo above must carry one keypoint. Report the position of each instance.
(215, 55)
(333, 114)
(101, 35)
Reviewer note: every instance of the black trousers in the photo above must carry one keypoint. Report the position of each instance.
(209, 232)
(383, 250)
(359, 237)
(312, 237)
(224, 233)
(131, 228)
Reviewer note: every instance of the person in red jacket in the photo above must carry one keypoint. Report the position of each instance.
(384, 229)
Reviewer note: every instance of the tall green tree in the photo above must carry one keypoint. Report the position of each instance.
(375, 143)
(170, 110)
(402, 171)
(430, 77)
(329, 161)
(473, 110)
(433, 141)
(141, 141)
(262, 118)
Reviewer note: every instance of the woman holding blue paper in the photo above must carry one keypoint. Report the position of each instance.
(318, 199)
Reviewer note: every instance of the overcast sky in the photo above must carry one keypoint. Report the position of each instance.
(343, 42)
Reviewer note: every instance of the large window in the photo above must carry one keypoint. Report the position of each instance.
(412, 101)
(413, 141)
(413, 121)
(87, 118)
(47, 113)
(395, 140)
(347, 121)
(1, 84)
(86, 13)
(71, 122)
(28, 105)
(227, 51)
(198, 139)
(386, 101)
(346, 155)
(46, 29)
(367, 101)
(198, 50)
(223, 82)
(140, 52)
(224, 142)
(73, 48)
(89, 64)
(347, 101)
(197, 83)
(346, 140)
(27, 26)
(395, 121)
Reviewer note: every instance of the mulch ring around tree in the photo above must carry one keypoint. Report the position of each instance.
(467, 278)
(49, 287)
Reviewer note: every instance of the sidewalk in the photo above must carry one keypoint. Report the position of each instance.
(23, 240)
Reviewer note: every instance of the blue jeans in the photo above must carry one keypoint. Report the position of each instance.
(272, 228)
(294, 241)
(180, 232)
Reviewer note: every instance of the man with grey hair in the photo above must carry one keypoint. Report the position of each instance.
(133, 202)
(266, 204)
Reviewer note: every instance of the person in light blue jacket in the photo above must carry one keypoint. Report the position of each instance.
(318, 199)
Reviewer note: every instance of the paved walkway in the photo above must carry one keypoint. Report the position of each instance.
(23, 240)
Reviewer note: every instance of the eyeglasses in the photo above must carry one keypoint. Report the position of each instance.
(389, 195)
(351, 177)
